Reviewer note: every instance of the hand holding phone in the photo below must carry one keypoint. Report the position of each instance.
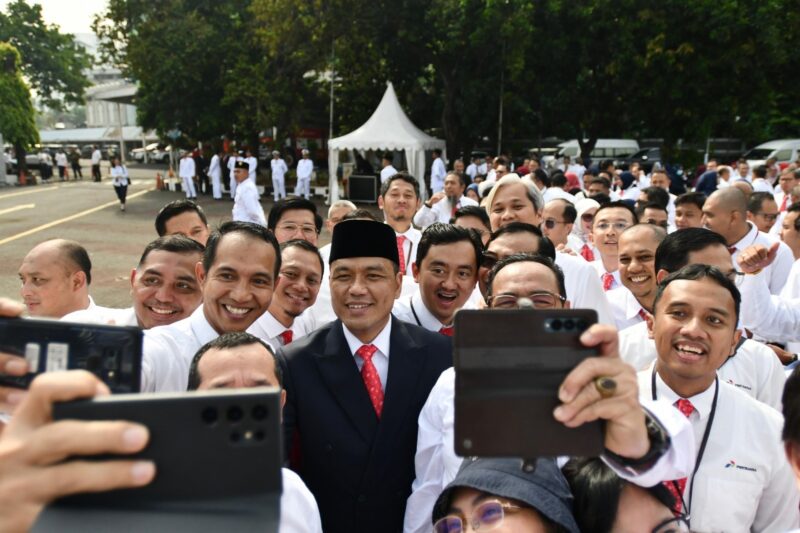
(10, 365)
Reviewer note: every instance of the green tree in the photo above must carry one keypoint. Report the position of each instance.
(18, 125)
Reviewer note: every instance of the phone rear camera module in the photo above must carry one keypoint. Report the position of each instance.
(259, 412)
(258, 435)
(235, 413)
(235, 436)
(209, 415)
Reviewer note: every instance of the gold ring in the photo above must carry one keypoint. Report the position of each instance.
(605, 386)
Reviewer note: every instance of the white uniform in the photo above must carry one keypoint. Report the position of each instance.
(436, 462)
(412, 309)
(626, 308)
(186, 171)
(743, 482)
(442, 211)
(215, 172)
(268, 329)
(167, 352)
(772, 317)
(584, 290)
(299, 510)
(438, 173)
(119, 175)
(231, 166)
(103, 315)
(557, 193)
(246, 207)
(96, 157)
(387, 172)
(778, 272)
(472, 171)
(304, 169)
(252, 164)
(754, 368)
(600, 269)
(279, 170)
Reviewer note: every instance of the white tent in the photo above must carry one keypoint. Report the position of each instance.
(387, 129)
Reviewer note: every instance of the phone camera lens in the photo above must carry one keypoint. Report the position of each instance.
(259, 435)
(556, 325)
(569, 324)
(259, 412)
(209, 415)
(235, 413)
(580, 325)
(236, 436)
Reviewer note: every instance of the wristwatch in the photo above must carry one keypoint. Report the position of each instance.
(659, 444)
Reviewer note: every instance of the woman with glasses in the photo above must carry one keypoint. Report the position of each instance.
(586, 209)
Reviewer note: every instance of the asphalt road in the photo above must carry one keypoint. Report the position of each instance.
(89, 213)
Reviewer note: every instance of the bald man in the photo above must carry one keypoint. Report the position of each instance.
(725, 212)
(55, 278)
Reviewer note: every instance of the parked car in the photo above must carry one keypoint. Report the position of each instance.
(784, 151)
(603, 149)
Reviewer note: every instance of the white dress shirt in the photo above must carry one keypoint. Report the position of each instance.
(413, 236)
(472, 171)
(413, 310)
(299, 510)
(773, 317)
(61, 159)
(269, 329)
(557, 193)
(214, 169)
(321, 312)
(584, 290)
(777, 272)
(96, 157)
(279, 168)
(626, 308)
(103, 315)
(436, 462)
(246, 207)
(441, 211)
(387, 172)
(120, 176)
(600, 269)
(744, 482)
(304, 169)
(167, 352)
(381, 357)
(754, 368)
(186, 168)
(252, 164)
(438, 172)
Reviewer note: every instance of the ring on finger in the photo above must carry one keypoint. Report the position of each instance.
(605, 386)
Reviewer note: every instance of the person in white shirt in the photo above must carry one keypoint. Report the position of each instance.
(240, 361)
(783, 192)
(740, 481)
(790, 230)
(252, 166)
(164, 287)
(556, 190)
(742, 172)
(215, 172)
(539, 279)
(187, 172)
(559, 217)
(585, 208)
(654, 214)
(472, 169)
(305, 167)
(762, 211)
(760, 183)
(232, 158)
(387, 170)
(791, 425)
(61, 163)
(474, 218)
(246, 207)
(446, 270)
(399, 200)
(279, 170)
(438, 171)
(97, 156)
(442, 206)
(238, 274)
(296, 291)
(725, 212)
(120, 181)
(689, 210)
(610, 220)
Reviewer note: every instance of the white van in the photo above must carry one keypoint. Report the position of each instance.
(784, 151)
(603, 149)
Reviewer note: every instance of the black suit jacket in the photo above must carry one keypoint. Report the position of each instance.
(359, 468)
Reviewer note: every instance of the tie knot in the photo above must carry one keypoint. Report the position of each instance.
(446, 330)
(608, 280)
(286, 336)
(401, 239)
(367, 351)
(685, 407)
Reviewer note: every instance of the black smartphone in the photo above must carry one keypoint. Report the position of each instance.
(509, 365)
(217, 456)
(112, 353)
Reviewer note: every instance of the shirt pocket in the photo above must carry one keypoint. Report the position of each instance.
(725, 503)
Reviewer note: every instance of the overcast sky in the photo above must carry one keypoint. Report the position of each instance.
(74, 16)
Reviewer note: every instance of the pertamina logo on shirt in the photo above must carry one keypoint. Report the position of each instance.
(732, 464)
(739, 385)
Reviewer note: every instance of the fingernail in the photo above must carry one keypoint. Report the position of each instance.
(16, 366)
(14, 398)
(564, 395)
(558, 412)
(134, 437)
(101, 390)
(143, 471)
(587, 337)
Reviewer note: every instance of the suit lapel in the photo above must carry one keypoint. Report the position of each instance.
(340, 373)
(406, 361)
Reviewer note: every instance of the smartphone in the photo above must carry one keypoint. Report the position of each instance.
(217, 456)
(509, 365)
(112, 353)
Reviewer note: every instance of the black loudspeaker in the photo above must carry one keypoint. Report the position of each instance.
(362, 189)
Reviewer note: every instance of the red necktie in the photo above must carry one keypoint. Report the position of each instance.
(286, 336)
(370, 376)
(446, 330)
(642, 314)
(731, 250)
(783, 203)
(401, 254)
(677, 486)
(587, 253)
(608, 280)
(453, 211)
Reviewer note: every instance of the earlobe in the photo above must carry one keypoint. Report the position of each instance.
(200, 272)
(414, 272)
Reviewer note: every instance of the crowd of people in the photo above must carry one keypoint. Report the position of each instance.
(699, 320)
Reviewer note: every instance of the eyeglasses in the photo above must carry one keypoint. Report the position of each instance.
(540, 299)
(487, 516)
(550, 223)
(306, 229)
(672, 525)
(619, 226)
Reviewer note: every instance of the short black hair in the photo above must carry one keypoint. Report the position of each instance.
(403, 176)
(558, 179)
(570, 214)
(473, 211)
(77, 254)
(389, 156)
(530, 258)
(308, 247)
(649, 205)
(696, 198)
(605, 182)
(224, 342)
(756, 201)
(286, 204)
(360, 214)
(791, 408)
(696, 273)
(794, 208)
(178, 244)
(673, 252)
(438, 234)
(619, 204)
(256, 231)
(174, 209)
(760, 171)
(541, 175)
(657, 195)
(546, 247)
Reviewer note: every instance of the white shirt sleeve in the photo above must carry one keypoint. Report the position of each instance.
(425, 216)
(769, 316)
(780, 269)
(299, 510)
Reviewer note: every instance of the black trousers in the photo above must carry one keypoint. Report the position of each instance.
(96, 172)
(76, 171)
(122, 192)
(62, 172)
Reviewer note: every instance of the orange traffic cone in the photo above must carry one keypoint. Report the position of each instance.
(159, 182)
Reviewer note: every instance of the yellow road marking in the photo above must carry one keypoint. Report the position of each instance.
(67, 219)
(17, 208)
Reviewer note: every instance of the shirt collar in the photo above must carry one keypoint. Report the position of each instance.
(749, 238)
(271, 325)
(381, 341)
(426, 318)
(201, 327)
(701, 402)
(632, 305)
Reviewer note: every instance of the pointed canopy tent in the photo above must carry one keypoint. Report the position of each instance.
(387, 129)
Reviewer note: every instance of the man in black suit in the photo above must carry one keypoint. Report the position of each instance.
(356, 386)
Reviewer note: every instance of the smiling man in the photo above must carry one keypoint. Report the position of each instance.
(399, 201)
(446, 270)
(610, 221)
(238, 274)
